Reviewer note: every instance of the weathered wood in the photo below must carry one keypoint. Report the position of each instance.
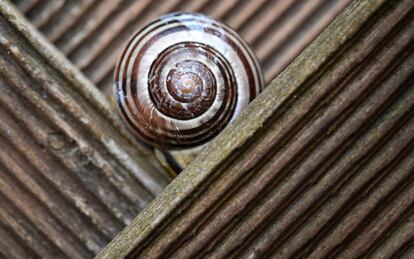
(320, 165)
(91, 32)
(71, 176)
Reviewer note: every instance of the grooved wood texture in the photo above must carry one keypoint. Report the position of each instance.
(91, 33)
(321, 165)
(71, 177)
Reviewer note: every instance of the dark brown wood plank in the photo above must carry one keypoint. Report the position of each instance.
(320, 165)
(71, 175)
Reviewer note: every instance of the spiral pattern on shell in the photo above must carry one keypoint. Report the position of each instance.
(183, 78)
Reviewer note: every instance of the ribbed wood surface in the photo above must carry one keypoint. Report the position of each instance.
(320, 166)
(70, 176)
(91, 33)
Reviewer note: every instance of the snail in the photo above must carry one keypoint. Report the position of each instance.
(182, 78)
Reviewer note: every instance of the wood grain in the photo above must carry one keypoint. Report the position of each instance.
(71, 175)
(320, 165)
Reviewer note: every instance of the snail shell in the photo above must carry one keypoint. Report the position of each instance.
(182, 78)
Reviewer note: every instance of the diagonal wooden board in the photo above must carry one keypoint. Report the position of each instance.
(320, 165)
(71, 175)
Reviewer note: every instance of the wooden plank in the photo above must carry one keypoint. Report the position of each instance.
(320, 165)
(71, 175)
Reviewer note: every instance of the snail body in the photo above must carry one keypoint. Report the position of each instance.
(182, 78)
